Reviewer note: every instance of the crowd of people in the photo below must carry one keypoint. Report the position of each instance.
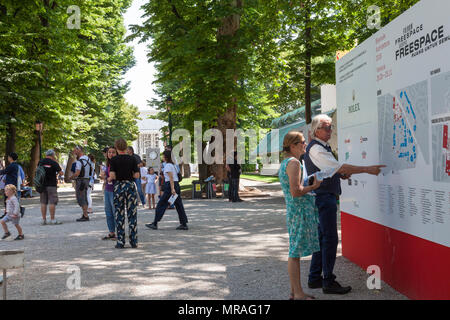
(126, 180)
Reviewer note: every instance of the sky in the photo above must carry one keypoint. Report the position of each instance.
(142, 74)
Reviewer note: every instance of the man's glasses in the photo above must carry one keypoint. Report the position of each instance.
(327, 128)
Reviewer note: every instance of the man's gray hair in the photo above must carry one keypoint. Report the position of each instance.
(50, 153)
(316, 121)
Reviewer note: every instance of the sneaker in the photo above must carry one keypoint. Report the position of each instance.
(20, 237)
(134, 245)
(6, 235)
(336, 288)
(151, 226)
(54, 222)
(83, 218)
(119, 246)
(182, 227)
(44, 223)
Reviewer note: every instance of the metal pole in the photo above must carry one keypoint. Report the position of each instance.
(170, 129)
(4, 284)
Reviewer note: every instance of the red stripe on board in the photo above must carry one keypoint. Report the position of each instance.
(418, 268)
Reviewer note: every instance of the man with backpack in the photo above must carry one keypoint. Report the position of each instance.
(83, 171)
(46, 184)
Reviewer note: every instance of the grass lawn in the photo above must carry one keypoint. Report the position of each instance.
(257, 177)
(186, 183)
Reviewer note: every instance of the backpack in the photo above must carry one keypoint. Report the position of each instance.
(81, 175)
(39, 179)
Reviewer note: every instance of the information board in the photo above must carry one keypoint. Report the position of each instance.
(393, 102)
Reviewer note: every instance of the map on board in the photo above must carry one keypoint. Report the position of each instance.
(440, 132)
(403, 127)
(441, 152)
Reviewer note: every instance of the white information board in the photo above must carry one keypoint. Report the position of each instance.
(393, 102)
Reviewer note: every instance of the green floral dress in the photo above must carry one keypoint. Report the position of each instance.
(302, 219)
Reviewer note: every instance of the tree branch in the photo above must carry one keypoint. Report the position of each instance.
(174, 10)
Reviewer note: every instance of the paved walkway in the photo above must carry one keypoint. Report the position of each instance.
(231, 251)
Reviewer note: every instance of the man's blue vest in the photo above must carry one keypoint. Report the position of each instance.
(329, 185)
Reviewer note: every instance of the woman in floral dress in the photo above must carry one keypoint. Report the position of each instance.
(302, 216)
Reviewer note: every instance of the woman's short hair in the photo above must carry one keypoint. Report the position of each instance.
(316, 121)
(11, 187)
(168, 156)
(291, 137)
(120, 144)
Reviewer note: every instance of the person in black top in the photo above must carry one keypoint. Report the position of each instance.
(49, 197)
(123, 171)
(130, 151)
(234, 172)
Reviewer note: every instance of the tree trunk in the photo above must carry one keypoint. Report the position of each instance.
(11, 133)
(186, 170)
(308, 41)
(226, 34)
(34, 158)
(68, 173)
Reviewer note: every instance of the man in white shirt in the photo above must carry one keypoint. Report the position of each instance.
(319, 157)
(83, 171)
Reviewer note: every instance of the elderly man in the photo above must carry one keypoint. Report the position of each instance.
(318, 157)
(83, 171)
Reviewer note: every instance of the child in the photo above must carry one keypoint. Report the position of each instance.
(150, 188)
(12, 212)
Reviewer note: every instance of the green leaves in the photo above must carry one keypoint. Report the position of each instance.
(68, 78)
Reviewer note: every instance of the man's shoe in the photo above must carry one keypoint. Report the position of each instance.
(315, 285)
(183, 227)
(134, 246)
(336, 288)
(20, 237)
(119, 246)
(83, 218)
(151, 226)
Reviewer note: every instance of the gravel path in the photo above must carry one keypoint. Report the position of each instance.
(231, 251)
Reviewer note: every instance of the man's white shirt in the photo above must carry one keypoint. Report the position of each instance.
(86, 168)
(321, 158)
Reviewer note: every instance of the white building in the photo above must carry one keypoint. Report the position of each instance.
(149, 133)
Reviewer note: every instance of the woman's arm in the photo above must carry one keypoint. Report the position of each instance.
(296, 187)
(172, 185)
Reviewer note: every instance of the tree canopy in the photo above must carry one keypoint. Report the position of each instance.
(68, 78)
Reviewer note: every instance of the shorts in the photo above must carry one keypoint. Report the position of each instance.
(14, 221)
(81, 188)
(49, 196)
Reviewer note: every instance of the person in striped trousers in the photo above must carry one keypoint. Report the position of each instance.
(123, 170)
